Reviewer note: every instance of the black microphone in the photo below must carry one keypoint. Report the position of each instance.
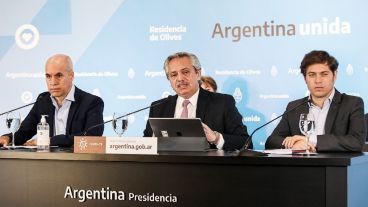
(6, 112)
(246, 152)
(125, 115)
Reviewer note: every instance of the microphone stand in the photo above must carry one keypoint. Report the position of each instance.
(125, 115)
(6, 112)
(250, 153)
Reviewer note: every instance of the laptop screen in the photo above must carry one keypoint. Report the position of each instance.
(171, 127)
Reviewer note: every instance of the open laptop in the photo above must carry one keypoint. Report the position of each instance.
(179, 134)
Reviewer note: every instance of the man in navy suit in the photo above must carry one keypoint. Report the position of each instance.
(222, 123)
(339, 118)
(70, 110)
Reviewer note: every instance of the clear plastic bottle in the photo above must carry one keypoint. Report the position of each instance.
(43, 135)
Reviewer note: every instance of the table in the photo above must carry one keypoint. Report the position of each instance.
(214, 178)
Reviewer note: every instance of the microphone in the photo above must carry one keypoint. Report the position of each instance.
(125, 115)
(6, 112)
(246, 152)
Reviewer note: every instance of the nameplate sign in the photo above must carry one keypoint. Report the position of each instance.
(131, 145)
(89, 144)
(115, 145)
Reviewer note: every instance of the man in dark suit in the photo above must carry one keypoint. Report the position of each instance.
(339, 118)
(70, 110)
(222, 123)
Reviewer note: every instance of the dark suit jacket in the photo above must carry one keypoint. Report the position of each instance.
(85, 111)
(344, 129)
(216, 110)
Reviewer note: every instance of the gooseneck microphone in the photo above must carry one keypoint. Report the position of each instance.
(6, 112)
(125, 115)
(246, 152)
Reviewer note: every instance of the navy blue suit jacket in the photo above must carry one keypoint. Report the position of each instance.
(216, 110)
(344, 129)
(85, 111)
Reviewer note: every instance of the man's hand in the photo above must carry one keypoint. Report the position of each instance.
(298, 142)
(295, 142)
(31, 142)
(212, 136)
(4, 140)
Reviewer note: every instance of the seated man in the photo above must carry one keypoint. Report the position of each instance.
(222, 123)
(70, 110)
(339, 118)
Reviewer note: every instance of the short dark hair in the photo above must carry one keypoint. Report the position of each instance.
(318, 56)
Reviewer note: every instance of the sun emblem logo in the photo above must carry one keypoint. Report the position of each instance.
(83, 144)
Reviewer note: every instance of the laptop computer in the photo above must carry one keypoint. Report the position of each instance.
(179, 134)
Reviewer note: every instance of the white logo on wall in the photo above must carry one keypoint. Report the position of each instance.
(293, 71)
(274, 71)
(349, 69)
(238, 96)
(131, 73)
(26, 97)
(166, 33)
(27, 36)
(165, 94)
(96, 92)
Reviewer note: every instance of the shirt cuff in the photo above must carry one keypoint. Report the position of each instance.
(221, 142)
(313, 139)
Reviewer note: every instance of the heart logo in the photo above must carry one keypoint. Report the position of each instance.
(27, 36)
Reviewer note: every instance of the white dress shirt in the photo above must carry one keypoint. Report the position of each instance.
(62, 112)
(320, 116)
(192, 110)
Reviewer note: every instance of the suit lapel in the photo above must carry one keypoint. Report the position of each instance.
(51, 118)
(332, 112)
(73, 108)
(202, 103)
(169, 110)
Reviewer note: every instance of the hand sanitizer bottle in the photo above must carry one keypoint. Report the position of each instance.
(43, 132)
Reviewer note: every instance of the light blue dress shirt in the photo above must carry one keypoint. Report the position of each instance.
(61, 113)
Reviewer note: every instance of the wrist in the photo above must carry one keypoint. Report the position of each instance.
(217, 138)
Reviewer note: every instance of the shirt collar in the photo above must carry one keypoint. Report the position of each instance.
(327, 101)
(69, 97)
(193, 100)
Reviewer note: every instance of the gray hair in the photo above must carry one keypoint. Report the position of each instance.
(193, 59)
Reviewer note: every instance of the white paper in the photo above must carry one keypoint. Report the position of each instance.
(279, 151)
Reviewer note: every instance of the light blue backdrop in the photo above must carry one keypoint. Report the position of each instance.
(252, 48)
